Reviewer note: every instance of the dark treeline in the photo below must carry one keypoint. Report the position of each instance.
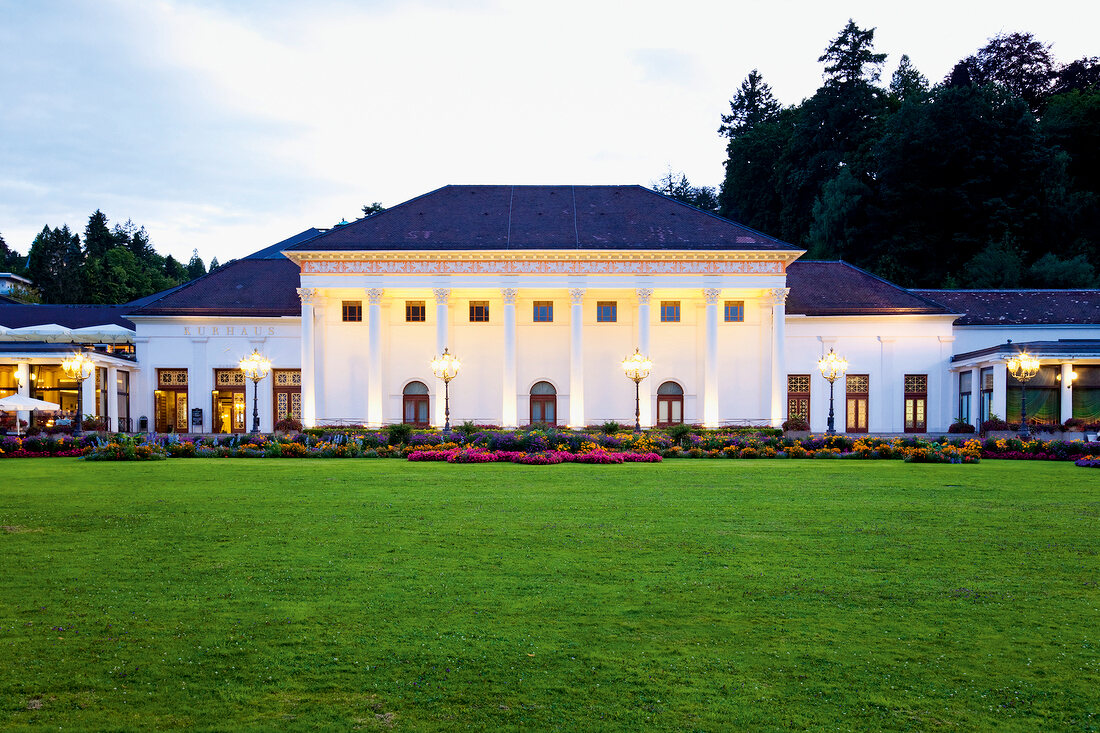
(110, 265)
(989, 178)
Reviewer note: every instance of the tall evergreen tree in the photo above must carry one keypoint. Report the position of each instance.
(55, 264)
(850, 58)
(752, 105)
(908, 84)
(195, 266)
(701, 197)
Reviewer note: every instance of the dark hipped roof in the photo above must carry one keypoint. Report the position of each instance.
(542, 217)
(262, 284)
(1020, 307)
(838, 289)
(21, 315)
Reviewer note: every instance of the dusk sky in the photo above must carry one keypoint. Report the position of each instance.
(228, 126)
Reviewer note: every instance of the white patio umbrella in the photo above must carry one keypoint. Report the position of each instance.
(109, 333)
(16, 402)
(47, 332)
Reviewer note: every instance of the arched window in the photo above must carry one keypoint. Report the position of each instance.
(544, 403)
(670, 404)
(415, 404)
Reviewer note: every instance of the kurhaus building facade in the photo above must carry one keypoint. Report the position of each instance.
(541, 291)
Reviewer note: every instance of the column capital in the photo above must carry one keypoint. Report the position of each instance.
(442, 295)
(374, 295)
(576, 295)
(777, 296)
(644, 295)
(509, 295)
(309, 296)
(710, 295)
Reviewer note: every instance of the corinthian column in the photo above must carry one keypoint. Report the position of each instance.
(509, 416)
(645, 388)
(309, 393)
(442, 322)
(576, 358)
(778, 299)
(375, 418)
(711, 403)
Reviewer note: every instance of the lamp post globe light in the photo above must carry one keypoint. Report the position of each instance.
(1023, 367)
(446, 367)
(637, 367)
(255, 367)
(79, 367)
(833, 367)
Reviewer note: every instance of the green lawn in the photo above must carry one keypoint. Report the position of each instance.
(689, 595)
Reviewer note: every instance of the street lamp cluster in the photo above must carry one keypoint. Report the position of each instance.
(1023, 367)
(832, 367)
(446, 367)
(79, 367)
(255, 367)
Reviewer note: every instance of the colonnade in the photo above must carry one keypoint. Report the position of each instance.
(313, 304)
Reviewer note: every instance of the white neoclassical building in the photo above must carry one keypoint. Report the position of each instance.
(541, 291)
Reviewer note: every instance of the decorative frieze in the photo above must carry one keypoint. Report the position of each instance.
(541, 267)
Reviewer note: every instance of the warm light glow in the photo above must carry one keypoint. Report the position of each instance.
(637, 366)
(1023, 366)
(832, 366)
(255, 366)
(446, 366)
(18, 377)
(78, 366)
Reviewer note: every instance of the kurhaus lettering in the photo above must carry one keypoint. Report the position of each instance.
(228, 330)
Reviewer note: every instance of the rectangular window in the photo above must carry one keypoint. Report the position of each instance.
(1043, 394)
(353, 311)
(735, 311)
(798, 396)
(415, 311)
(479, 311)
(966, 380)
(670, 311)
(986, 405)
(605, 311)
(857, 388)
(916, 403)
(544, 311)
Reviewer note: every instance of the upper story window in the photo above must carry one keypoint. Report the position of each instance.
(415, 312)
(479, 311)
(735, 311)
(670, 311)
(544, 311)
(605, 311)
(352, 311)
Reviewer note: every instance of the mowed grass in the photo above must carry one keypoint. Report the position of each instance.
(689, 595)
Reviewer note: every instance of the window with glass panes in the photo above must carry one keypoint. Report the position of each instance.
(857, 389)
(670, 311)
(352, 311)
(415, 311)
(1044, 398)
(916, 403)
(735, 311)
(605, 311)
(544, 311)
(798, 396)
(986, 394)
(479, 311)
(966, 383)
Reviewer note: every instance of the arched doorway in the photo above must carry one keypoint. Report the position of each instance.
(415, 406)
(544, 403)
(670, 404)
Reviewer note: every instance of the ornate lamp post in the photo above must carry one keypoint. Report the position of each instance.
(79, 367)
(446, 367)
(832, 367)
(637, 368)
(1023, 366)
(255, 367)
